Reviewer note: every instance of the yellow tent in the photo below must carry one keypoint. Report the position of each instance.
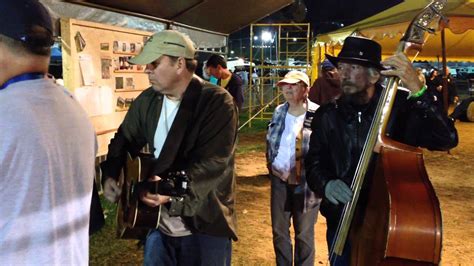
(388, 27)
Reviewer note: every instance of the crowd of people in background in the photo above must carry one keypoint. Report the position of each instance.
(326, 87)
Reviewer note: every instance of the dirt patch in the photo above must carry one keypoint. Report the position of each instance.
(451, 174)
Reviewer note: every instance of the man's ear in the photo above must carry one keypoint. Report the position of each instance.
(181, 63)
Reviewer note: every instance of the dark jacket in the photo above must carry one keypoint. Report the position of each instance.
(339, 131)
(437, 96)
(234, 87)
(201, 141)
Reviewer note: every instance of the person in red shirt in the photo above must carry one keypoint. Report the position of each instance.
(327, 87)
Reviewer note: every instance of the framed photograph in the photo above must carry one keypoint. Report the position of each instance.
(128, 102)
(105, 64)
(117, 63)
(104, 46)
(138, 47)
(123, 63)
(80, 42)
(129, 66)
(118, 83)
(120, 102)
(129, 83)
(115, 46)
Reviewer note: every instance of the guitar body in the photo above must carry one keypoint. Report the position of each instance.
(134, 218)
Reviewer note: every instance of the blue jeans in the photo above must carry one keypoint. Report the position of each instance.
(195, 249)
(285, 206)
(215, 251)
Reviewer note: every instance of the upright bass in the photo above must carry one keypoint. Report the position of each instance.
(400, 223)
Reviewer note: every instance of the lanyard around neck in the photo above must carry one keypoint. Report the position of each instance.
(22, 77)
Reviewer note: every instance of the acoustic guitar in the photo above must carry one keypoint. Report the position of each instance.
(134, 218)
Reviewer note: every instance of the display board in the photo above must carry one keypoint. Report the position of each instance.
(96, 71)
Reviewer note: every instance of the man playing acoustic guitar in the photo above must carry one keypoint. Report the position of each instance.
(190, 125)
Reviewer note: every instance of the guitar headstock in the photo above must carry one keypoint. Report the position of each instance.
(427, 21)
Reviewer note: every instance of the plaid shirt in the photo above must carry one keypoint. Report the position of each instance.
(274, 133)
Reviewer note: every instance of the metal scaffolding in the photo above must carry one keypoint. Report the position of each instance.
(275, 49)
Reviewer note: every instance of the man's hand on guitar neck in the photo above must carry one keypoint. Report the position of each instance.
(402, 67)
(111, 190)
(153, 200)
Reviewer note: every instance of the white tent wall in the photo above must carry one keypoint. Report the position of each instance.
(60, 9)
(203, 39)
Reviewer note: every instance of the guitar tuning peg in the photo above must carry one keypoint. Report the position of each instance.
(438, 6)
(443, 22)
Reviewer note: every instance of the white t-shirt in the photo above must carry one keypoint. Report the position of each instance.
(173, 226)
(167, 115)
(47, 155)
(285, 160)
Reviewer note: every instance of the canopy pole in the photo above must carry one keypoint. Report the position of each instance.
(445, 74)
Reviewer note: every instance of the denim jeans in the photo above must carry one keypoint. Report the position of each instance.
(215, 251)
(195, 249)
(161, 249)
(287, 205)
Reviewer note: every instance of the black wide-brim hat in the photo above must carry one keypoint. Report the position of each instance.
(361, 51)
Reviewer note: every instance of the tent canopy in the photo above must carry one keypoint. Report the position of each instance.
(224, 16)
(388, 27)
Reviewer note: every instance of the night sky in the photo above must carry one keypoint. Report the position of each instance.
(327, 15)
(324, 16)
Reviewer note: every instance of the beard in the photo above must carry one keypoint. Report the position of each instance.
(350, 88)
(353, 94)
